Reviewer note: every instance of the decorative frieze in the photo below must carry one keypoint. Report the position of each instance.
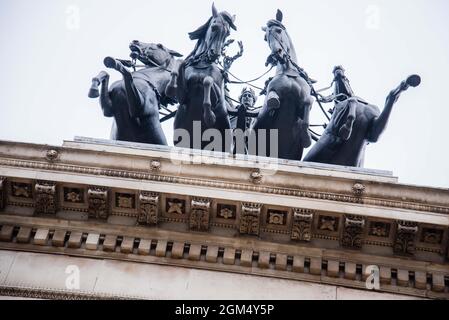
(46, 198)
(98, 202)
(353, 232)
(200, 214)
(2, 192)
(250, 218)
(148, 208)
(405, 237)
(302, 224)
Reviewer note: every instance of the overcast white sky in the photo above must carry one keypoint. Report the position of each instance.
(50, 50)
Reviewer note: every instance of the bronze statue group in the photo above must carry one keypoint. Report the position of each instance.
(206, 118)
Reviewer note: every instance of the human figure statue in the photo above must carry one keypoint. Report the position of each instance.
(354, 123)
(198, 85)
(134, 102)
(241, 118)
(288, 100)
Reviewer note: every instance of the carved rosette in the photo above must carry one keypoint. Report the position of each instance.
(353, 232)
(302, 224)
(405, 237)
(98, 203)
(250, 218)
(2, 192)
(155, 166)
(200, 214)
(256, 176)
(148, 208)
(46, 199)
(358, 189)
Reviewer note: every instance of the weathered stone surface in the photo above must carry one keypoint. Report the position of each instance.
(281, 262)
(110, 243)
(58, 239)
(246, 259)
(298, 264)
(420, 280)
(195, 252)
(403, 277)
(229, 256)
(75, 240)
(161, 248)
(127, 245)
(41, 237)
(177, 251)
(264, 259)
(385, 275)
(350, 270)
(6, 233)
(438, 282)
(333, 268)
(212, 254)
(92, 241)
(24, 235)
(315, 266)
(144, 247)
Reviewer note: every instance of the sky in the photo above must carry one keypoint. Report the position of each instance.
(51, 49)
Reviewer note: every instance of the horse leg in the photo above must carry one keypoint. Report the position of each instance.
(136, 102)
(273, 101)
(346, 130)
(208, 114)
(105, 99)
(172, 87)
(303, 124)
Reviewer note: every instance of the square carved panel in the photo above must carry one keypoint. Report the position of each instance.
(379, 229)
(22, 190)
(175, 206)
(277, 217)
(328, 223)
(73, 195)
(432, 236)
(226, 211)
(125, 200)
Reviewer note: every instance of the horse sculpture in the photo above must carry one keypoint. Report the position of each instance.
(354, 123)
(288, 100)
(198, 85)
(134, 101)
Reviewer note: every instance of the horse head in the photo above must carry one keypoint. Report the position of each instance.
(279, 41)
(212, 35)
(152, 54)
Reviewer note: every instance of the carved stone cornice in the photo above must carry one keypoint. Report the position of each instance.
(302, 224)
(293, 267)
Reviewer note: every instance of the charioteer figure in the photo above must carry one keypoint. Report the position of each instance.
(354, 123)
(242, 116)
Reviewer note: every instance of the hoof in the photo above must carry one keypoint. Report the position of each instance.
(93, 93)
(110, 62)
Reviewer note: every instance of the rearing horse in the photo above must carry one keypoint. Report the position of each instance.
(198, 85)
(288, 101)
